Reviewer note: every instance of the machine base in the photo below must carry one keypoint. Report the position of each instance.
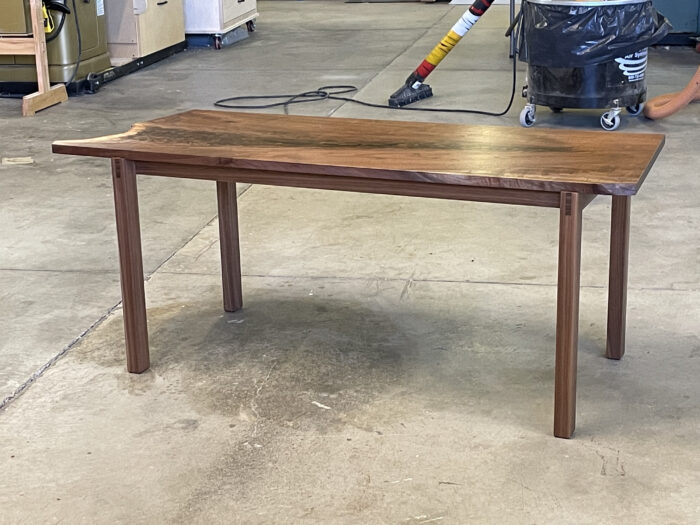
(94, 81)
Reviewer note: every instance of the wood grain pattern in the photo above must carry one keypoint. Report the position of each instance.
(486, 156)
(35, 102)
(552, 168)
(357, 184)
(570, 218)
(228, 242)
(39, 38)
(126, 208)
(17, 45)
(617, 285)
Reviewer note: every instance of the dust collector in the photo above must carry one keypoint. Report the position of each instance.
(587, 54)
(76, 43)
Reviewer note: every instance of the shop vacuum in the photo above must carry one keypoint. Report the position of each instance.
(76, 45)
(580, 54)
(588, 54)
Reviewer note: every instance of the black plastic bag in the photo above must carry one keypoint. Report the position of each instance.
(577, 36)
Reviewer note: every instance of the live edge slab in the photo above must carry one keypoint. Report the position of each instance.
(509, 165)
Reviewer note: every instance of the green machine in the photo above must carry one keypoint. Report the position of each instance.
(76, 46)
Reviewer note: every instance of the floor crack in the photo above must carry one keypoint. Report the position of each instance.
(254, 400)
(38, 373)
(41, 370)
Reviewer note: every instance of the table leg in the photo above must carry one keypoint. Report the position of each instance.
(567, 314)
(230, 250)
(126, 206)
(617, 286)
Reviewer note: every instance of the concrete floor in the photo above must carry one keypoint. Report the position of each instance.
(394, 359)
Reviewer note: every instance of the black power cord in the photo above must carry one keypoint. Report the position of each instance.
(61, 8)
(80, 45)
(335, 92)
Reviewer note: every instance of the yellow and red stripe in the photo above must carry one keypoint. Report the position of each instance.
(450, 40)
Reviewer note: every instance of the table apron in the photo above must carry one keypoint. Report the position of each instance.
(549, 199)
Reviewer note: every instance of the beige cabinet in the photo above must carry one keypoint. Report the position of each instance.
(217, 16)
(138, 28)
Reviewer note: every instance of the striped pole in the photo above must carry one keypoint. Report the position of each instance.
(411, 91)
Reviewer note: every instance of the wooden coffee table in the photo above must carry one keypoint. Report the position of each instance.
(508, 165)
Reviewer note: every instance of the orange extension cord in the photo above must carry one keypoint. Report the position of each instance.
(665, 105)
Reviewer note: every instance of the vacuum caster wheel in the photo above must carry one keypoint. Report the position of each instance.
(217, 42)
(610, 121)
(250, 25)
(527, 116)
(636, 109)
(557, 110)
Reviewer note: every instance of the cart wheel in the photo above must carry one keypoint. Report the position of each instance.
(609, 121)
(636, 109)
(527, 116)
(557, 110)
(250, 25)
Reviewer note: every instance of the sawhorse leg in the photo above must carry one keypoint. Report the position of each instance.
(126, 207)
(570, 219)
